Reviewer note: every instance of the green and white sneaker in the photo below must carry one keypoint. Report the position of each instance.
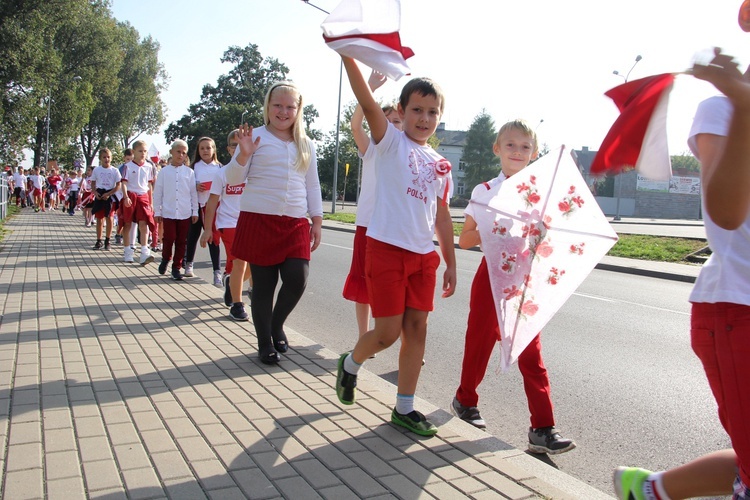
(415, 422)
(629, 481)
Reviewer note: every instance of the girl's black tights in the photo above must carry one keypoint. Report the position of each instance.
(268, 317)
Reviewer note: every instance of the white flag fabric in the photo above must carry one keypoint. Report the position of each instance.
(153, 154)
(368, 31)
(542, 233)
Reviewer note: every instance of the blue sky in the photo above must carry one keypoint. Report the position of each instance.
(535, 59)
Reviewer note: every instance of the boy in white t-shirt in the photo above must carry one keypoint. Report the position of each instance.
(412, 192)
(36, 189)
(105, 182)
(223, 206)
(136, 186)
(720, 312)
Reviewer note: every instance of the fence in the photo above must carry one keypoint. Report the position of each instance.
(4, 196)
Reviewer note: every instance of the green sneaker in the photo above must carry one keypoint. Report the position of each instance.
(629, 483)
(346, 383)
(415, 422)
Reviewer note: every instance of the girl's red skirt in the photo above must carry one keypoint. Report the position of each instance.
(267, 240)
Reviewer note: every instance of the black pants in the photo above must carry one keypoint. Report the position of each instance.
(192, 242)
(268, 317)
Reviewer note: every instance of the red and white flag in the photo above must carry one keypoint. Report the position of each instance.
(638, 138)
(368, 31)
(153, 154)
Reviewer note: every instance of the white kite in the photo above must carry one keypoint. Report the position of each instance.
(542, 233)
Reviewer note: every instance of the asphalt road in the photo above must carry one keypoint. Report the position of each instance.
(625, 383)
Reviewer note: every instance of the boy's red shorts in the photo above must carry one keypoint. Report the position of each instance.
(139, 209)
(355, 287)
(397, 279)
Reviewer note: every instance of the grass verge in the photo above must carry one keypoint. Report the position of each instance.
(12, 210)
(632, 246)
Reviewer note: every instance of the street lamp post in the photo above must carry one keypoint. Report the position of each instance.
(49, 110)
(338, 123)
(242, 119)
(619, 183)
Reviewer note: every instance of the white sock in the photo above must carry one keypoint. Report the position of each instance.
(404, 403)
(653, 487)
(351, 366)
(144, 249)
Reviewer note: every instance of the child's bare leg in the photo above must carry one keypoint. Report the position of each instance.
(99, 229)
(236, 277)
(709, 475)
(108, 222)
(143, 227)
(126, 234)
(385, 333)
(363, 317)
(411, 355)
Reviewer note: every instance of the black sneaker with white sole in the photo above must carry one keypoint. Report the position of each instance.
(469, 414)
(237, 312)
(548, 440)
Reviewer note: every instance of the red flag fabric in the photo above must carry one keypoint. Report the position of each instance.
(368, 31)
(638, 138)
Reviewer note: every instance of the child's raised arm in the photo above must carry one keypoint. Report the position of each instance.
(373, 114)
(358, 130)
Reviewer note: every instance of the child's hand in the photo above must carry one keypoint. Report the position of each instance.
(376, 80)
(449, 282)
(157, 219)
(206, 237)
(245, 142)
(723, 72)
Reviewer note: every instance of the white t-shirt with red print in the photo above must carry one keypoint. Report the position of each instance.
(229, 200)
(138, 177)
(204, 174)
(407, 192)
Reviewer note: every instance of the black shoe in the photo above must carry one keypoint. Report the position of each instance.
(280, 343)
(176, 275)
(468, 414)
(346, 383)
(106, 244)
(548, 440)
(227, 292)
(97, 245)
(237, 312)
(163, 266)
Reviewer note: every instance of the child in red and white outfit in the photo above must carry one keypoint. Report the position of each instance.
(175, 206)
(205, 165)
(224, 206)
(516, 146)
(720, 314)
(137, 183)
(273, 234)
(105, 182)
(37, 181)
(72, 186)
(413, 189)
(355, 287)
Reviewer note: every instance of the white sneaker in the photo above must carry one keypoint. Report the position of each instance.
(217, 279)
(188, 270)
(146, 257)
(127, 254)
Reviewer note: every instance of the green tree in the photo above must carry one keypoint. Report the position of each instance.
(686, 163)
(128, 102)
(240, 92)
(479, 160)
(347, 154)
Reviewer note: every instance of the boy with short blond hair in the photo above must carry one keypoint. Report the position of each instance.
(137, 183)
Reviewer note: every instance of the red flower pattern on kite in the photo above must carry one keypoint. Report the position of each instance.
(529, 192)
(570, 203)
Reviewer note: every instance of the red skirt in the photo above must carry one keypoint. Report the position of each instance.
(267, 240)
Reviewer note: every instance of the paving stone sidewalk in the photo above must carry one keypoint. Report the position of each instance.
(116, 382)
